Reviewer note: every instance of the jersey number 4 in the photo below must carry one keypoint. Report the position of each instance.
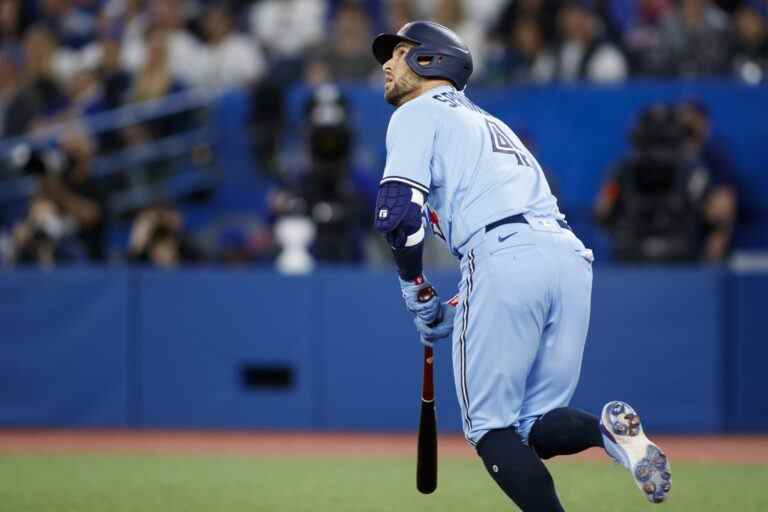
(502, 143)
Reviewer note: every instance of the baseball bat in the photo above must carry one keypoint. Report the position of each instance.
(426, 448)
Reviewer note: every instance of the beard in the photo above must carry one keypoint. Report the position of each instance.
(399, 89)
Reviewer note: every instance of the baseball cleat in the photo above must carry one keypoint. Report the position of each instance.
(626, 443)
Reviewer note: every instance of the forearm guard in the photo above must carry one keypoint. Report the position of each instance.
(399, 217)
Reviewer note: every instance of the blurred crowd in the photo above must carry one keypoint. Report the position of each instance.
(61, 60)
(79, 56)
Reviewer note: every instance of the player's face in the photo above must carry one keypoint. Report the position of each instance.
(400, 82)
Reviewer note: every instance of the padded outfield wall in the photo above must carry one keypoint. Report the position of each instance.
(336, 350)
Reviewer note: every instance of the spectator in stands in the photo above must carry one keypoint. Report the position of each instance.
(129, 20)
(655, 204)
(185, 57)
(153, 81)
(483, 12)
(640, 32)
(85, 94)
(583, 53)
(695, 36)
(230, 58)
(73, 24)
(523, 58)
(701, 143)
(544, 12)
(749, 48)
(702, 148)
(11, 24)
(158, 238)
(622, 16)
(236, 239)
(77, 194)
(397, 14)
(12, 113)
(39, 95)
(271, 20)
(334, 195)
(45, 236)
(451, 14)
(346, 55)
(115, 81)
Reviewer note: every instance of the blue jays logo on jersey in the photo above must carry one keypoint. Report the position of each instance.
(434, 221)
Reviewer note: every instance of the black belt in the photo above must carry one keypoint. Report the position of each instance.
(519, 219)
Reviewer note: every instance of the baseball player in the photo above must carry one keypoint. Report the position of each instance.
(520, 319)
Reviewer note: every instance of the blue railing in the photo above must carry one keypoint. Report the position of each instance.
(122, 117)
(189, 177)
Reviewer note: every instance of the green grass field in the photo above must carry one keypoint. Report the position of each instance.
(102, 483)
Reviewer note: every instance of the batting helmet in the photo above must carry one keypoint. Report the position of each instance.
(445, 54)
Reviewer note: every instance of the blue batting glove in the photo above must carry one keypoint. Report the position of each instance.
(442, 328)
(426, 311)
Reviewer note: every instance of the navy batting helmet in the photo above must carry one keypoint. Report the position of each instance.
(445, 54)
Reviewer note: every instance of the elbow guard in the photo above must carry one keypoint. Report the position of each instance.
(398, 215)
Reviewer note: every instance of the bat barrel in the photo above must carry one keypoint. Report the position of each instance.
(426, 457)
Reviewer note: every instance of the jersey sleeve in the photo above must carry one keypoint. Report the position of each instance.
(410, 147)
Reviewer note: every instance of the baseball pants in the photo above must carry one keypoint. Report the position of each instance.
(520, 326)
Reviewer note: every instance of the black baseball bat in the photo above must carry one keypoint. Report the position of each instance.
(426, 448)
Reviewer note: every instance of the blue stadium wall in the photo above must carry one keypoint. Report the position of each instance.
(209, 348)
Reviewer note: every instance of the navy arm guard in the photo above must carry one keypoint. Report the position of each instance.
(399, 218)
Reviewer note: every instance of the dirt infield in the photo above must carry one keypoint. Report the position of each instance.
(736, 449)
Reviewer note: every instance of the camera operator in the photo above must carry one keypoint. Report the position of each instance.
(721, 208)
(654, 205)
(46, 236)
(158, 238)
(59, 219)
(79, 194)
(330, 192)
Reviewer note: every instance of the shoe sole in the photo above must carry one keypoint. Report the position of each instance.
(648, 464)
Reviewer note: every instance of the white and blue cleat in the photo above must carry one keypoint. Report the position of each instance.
(626, 443)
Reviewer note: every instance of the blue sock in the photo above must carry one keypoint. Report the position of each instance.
(518, 471)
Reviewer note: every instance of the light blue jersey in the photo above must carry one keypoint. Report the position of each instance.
(524, 296)
(473, 167)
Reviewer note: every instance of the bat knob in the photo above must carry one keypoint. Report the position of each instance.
(426, 294)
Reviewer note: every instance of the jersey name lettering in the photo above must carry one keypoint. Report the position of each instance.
(454, 99)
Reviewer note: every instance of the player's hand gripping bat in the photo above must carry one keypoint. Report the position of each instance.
(426, 450)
